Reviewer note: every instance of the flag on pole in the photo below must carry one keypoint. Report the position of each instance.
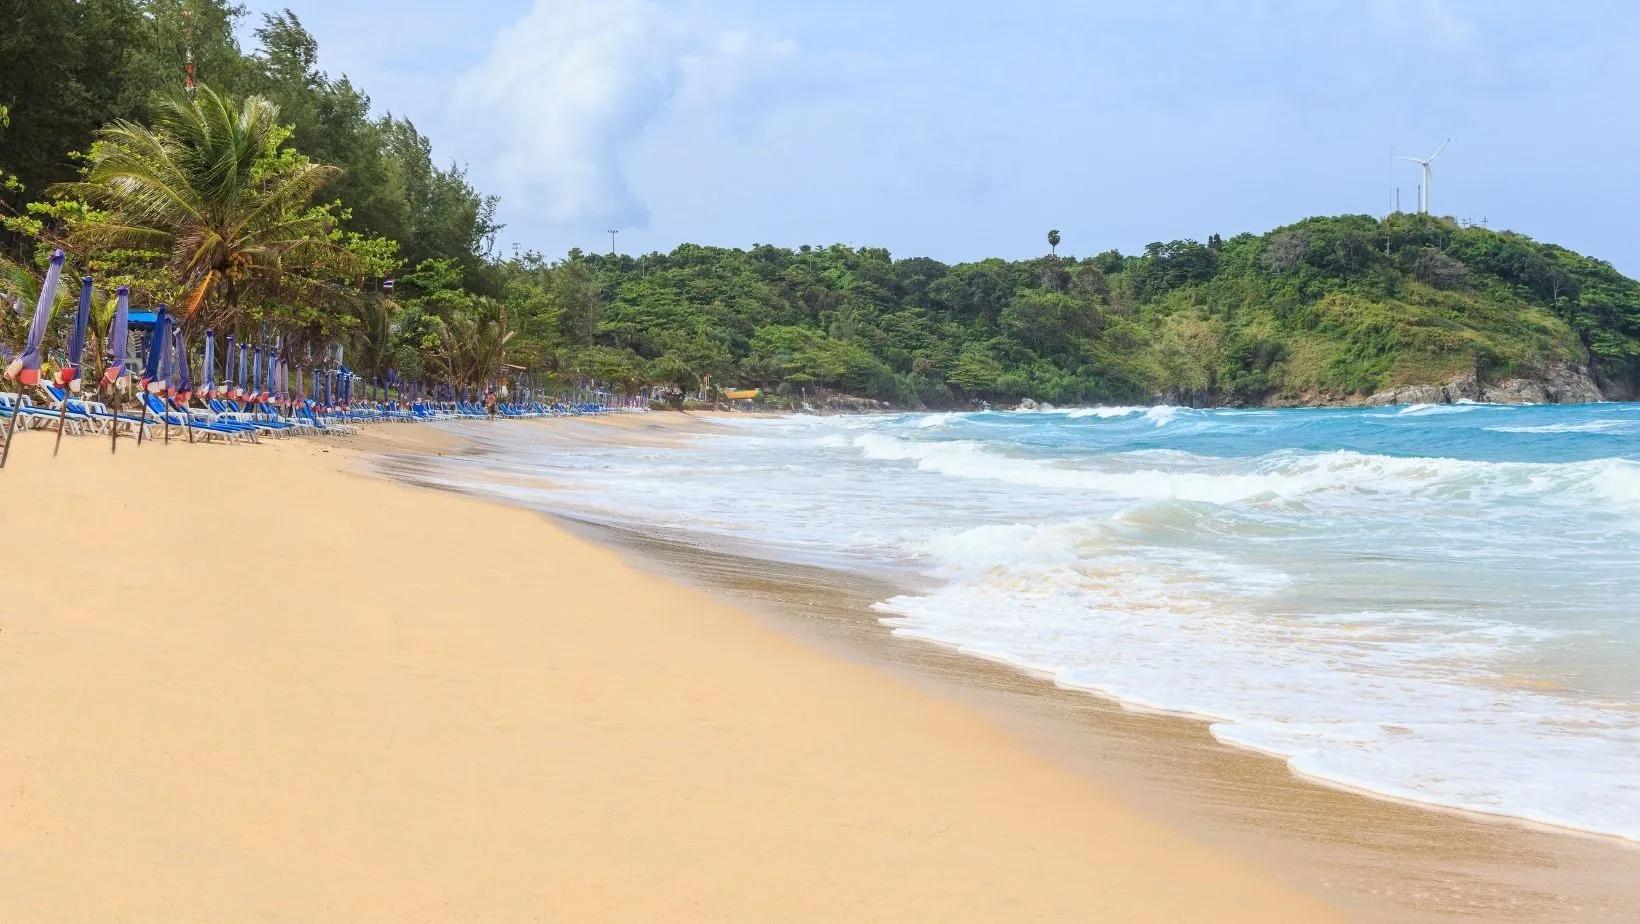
(25, 369)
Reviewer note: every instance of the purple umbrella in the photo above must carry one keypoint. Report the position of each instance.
(119, 331)
(185, 381)
(25, 369)
(152, 372)
(69, 378)
(207, 382)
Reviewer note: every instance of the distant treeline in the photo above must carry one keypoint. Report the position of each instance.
(1326, 309)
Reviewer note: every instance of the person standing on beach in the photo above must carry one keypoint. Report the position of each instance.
(489, 403)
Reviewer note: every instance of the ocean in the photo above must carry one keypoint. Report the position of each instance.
(1433, 603)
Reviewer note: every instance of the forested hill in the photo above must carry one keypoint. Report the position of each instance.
(1326, 310)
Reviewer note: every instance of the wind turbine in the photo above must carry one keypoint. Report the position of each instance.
(1424, 162)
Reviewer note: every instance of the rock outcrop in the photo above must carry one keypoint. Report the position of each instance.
(1568, 383)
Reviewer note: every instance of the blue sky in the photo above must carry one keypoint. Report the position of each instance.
(960, 130)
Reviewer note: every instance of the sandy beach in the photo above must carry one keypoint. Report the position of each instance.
(275, 688)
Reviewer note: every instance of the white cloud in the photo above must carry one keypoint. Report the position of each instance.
(569, 89)
(1434, 22)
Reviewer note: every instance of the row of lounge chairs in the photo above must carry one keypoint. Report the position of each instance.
(229, 421)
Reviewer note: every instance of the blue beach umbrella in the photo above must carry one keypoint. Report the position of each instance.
(151, 373)
(25, 369)
(114, 378)
(167, 354)
(75, 362)
(184, 375)
(227, 368)
(69, 376)
(207, 382)
(119, 333)
(240, 378)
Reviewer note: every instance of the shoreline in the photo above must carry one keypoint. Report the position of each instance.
(1495, 865)
(310, 694)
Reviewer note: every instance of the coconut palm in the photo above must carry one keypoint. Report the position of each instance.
(210, 191)
(1053, 242)
(474, 342)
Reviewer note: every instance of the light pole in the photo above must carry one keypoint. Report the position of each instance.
(612, 233)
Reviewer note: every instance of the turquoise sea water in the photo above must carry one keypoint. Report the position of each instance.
(1440, 603)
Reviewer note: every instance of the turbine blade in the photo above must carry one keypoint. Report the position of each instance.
(1404, 157)
(1440, 149)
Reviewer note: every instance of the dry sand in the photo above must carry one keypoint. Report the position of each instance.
(276, 690)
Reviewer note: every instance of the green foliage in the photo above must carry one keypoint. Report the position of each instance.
(1324, 309)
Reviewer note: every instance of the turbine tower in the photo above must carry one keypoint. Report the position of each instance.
(1424, 162)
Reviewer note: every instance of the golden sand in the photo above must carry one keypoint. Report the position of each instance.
(271, 689)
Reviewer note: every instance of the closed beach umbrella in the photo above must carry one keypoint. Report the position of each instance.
(184, 376)
(153, 373)
(156, 341)
(25, 369)
(227, 368)
(119, 333)
(68, 377)
(70, 374)
(240, 378)
(207, 381)
(167, 354)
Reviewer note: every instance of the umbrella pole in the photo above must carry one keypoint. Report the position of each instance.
(62, 422)
(11, 432)
(114, 428)
(143, 427)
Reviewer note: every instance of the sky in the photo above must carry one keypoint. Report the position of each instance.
(960, 130)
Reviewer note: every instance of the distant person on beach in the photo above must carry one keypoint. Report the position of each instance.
(489, 403)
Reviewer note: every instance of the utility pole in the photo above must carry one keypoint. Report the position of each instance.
(612, 233)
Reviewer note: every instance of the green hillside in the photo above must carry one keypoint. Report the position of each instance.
(1329, 309)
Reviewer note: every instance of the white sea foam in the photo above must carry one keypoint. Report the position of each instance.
(1277, 476)
(1415, 713)
(1162, 415)
(1589, 426)
(1104, 413)
(1393, 620)
(1428, 410)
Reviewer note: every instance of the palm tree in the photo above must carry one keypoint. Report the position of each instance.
(1053, 242)
(474, 342)
(209, 191)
